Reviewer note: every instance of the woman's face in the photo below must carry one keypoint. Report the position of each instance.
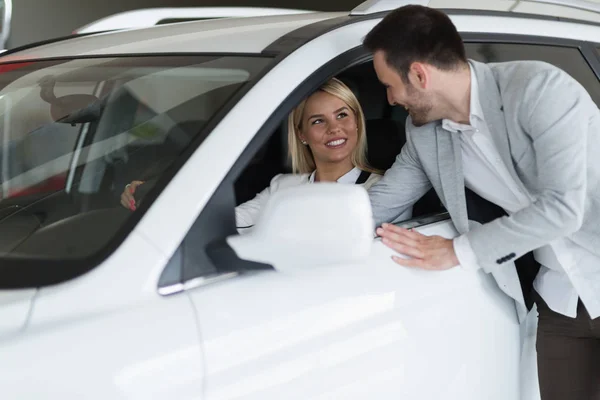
(329, 127)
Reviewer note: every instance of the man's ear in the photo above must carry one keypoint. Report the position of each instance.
(418, 75)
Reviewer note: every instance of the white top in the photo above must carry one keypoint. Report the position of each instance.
(247, 213)
(485, 174)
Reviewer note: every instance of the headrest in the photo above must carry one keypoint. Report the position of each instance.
(363, 82)
(385, 139)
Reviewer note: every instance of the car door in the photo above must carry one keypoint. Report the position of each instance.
(353, 330)
(368, 329)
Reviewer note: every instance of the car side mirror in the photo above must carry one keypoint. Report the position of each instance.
(308, 226)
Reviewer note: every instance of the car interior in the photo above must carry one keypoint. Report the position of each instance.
(204, 250)
(385, 125)
(78, 221)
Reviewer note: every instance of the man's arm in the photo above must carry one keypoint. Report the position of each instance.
(556, 116)
(401, 186)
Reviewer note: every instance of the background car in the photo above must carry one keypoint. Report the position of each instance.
(166, 15)
(100, 302)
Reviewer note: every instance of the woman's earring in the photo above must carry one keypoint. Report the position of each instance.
(304, 142)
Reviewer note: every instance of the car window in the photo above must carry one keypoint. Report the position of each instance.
(30, 142)
(568, 59)
(75, 132)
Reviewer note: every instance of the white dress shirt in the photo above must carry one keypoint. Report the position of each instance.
(485, 174)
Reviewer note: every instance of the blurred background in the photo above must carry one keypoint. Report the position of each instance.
(35, 20)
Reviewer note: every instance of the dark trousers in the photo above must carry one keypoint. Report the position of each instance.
(568, 354)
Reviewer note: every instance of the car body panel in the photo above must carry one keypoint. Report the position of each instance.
(15, 306)
(523, 26)
(151, 16)
(579, 10)
(355, 331)
(130, 273)
(574, 9)
(146, 349)
(124, 340)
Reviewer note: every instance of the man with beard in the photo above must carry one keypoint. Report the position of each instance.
(522, 136)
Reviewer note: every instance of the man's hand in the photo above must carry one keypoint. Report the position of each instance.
(426, 252)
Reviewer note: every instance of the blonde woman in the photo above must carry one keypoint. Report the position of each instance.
(327, 142)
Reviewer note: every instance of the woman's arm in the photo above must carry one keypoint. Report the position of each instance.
(246, 214)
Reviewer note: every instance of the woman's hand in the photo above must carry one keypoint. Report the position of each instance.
(127, 199)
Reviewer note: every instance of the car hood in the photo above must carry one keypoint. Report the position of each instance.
(15, 306)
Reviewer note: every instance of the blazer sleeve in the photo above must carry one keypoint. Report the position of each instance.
(556, 119)
(393, 196)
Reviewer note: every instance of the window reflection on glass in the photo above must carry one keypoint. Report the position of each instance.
(75, 132)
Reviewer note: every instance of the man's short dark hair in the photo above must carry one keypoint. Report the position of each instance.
(417, 34)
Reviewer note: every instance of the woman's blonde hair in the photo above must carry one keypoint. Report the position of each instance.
(303, 161)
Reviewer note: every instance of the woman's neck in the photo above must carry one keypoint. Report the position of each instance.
(331, 172)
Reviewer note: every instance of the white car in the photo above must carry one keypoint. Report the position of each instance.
(98, 302)
(146, 17)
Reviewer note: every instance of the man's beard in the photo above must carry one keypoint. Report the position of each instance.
(420, 110)
(420, 114)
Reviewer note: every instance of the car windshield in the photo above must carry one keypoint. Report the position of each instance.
(75, 132)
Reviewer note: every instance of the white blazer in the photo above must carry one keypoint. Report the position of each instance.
(247, 214)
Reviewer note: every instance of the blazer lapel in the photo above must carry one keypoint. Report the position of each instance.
(451, 177)
(493, 111)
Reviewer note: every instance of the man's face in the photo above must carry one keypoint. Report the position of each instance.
(414, 99)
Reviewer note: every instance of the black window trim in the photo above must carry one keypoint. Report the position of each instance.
(594, 50)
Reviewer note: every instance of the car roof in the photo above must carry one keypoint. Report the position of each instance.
(583, 10)
(152, 16)
(252, 35)
(225, 35)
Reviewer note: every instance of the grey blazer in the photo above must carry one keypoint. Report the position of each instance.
(547, 129)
